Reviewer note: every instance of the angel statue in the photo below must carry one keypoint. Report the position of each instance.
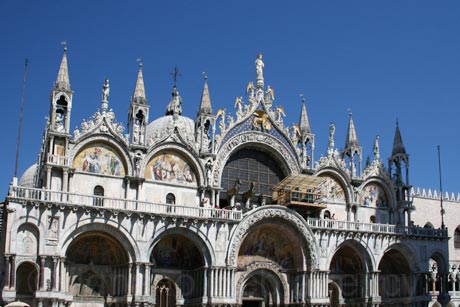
(239, 106)
(221, 113)
(270, 93)
(296, 134)
(279, 114)
(250, 88)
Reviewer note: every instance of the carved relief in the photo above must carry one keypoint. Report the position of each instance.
(52, 230)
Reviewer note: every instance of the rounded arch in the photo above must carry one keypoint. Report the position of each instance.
(27, 239)
(340, 178)
(183, 152)
(457, 237)
(272, 213)
(263, 142)
(442, 265)
(353, 246)
(407, 251)
(395, 276)
(369, 190)
(98, 248)
(264, 281)
(32, 222)
(191, 233)
(120, 161)
(100, 225)
(26, 279)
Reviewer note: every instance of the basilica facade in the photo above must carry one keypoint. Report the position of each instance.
(219, 210)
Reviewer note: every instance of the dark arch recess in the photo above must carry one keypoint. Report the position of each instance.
(251, 164)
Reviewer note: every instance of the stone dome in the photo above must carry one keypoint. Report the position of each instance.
(164, 126)
(27, 178)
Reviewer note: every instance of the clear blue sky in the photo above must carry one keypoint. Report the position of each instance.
(381, 59)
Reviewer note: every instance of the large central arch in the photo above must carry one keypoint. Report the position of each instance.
(263, 142)
(268, 214)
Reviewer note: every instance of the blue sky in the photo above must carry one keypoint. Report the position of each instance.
(381, 59)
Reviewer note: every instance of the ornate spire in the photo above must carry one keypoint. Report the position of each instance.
(205, 104)
(304, 124)
(398, 146)
(139, 91)
(62, 80)
(352, 138)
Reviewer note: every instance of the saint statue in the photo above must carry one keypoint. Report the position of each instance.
(259, 67)
(105, 90)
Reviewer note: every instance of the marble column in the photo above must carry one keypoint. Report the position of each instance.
(13, 272)
(7, 272)
(41, 284)
(54, 274)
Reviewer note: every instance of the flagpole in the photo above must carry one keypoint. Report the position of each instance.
(26, 62)
(440, 187)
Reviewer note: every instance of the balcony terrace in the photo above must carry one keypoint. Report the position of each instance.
(89, 202)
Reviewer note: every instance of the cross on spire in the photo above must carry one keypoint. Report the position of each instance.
(175, 74)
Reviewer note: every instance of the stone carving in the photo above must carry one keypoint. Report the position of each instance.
(271, 212)
(106, 122)
(53, 230)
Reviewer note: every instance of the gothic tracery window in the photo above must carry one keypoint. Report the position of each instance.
(457, 237)
(165, 294)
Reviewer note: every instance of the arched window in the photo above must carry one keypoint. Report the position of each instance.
(372, 219)
(98, 196)
(165, 294)
(327, 214)
(171, 199)
(457, 237)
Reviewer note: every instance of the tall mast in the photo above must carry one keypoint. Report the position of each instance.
(26, 62)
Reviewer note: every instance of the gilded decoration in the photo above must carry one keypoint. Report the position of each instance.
(99, 159)
(374, 196)
(171, 168)
(268, 243)
(333, 190)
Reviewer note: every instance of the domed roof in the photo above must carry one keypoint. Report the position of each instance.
(164, 126)
(27, 178)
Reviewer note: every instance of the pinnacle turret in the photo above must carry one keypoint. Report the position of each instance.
(398, 146)
(205, 104)
(62, 80)
(352, 138)
(304, 124)
(139, 91)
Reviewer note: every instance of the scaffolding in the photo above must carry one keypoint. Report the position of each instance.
(300, 190)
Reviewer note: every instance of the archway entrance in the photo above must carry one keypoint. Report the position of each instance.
(98, 268)
(348, 272)
(396, 283)
(262, 289)
(178, 268)
(26, 283)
